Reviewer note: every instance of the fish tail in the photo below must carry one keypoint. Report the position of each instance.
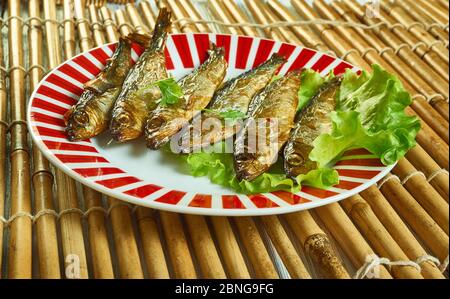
(162, 27)
(215, 51)
(141, 39)
(275, 59)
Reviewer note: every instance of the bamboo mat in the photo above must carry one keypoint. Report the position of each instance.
(54, 228)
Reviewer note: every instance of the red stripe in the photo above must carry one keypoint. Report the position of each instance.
(72, 72)
(172, 197)
(118, 182)
(113, 47)
(286, 50)
(85, 63)
(69, 146)
(318, 192)
(58, 81)
(224, 41)
(182, 45)
(51, 132)
(169, 62)
(44, 118)
(38, 103)
(143, 191)
(201, 201)
(100, 55)
(340, 69)
(263, 52)
(347, 185)
(79, 159)
(362, 162)
(88, 172)
(290, 198)
(202, 44)
(56, 95)
(303, 58)
(232, 202)
(261, 201)
(362, 174)
(243, 50)
(322, 63)
(137, 48)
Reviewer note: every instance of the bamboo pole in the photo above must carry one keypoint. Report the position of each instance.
(423, 192)
(135, 18)
(42, 178)
(19, 250)
(439, 16)
(3, 149)
(316, 245)
(192, 12)
(425, 19)
(69, 44)
(422, 223)
(424, 163)
(178, 14)
(424, 110)
(231, 253)
(99, 38)
(401, 15)
(399, 231)
(239, 16)
(284, 247)
(429, 55)
(182, 264)
(255, 248)
(151, 244)
(408, 56)
(378, 236)
(70, 223)
(147, 12)
(347, 235)
(219, 13)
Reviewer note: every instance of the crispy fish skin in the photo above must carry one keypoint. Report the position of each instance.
(233, 95)
(312, 121)
(90, 115)
(135, 100)
(198, 89)
(276, 102)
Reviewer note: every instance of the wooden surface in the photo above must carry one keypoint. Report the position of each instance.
(51, 227)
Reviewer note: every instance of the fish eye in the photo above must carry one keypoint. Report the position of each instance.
(295, 159)
(123, 118)
(155, 123)
(81, 118)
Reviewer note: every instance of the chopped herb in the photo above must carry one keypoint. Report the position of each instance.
(171, 92)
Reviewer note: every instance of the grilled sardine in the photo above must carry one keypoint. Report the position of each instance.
(138, 96)
(271, 117)
(234, 95)
(198, 89)
(90, 115)
(312, 121)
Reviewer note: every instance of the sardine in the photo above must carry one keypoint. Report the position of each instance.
(90, 115)
(234, 95)
(198, 89)
(312, 121)
(271, 118)
(138, 96)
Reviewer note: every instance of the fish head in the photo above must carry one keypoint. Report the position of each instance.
(125, 127)
(159, 128)
(249, 166)
(296, 159)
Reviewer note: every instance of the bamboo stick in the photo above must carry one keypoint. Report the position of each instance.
(204, 247)
(229, 248)
(99, 38)
(147, 12)
(347, 235)
(219, 13)
(423, 69)
(399, 14)
(42, 177)
(440, 182)
(378, 236)
(178, 13)
(423, 192)
(239, 16)
(19, 250)
(3, 149)
(193, 13)
(430, 115)
(182, 264)
(429, 55)
(151, 244)
(136, 19)
(284, 247)
(399, 231)
(69, 44)
(109, 25)
(423, 225)
(439, 16)
(425, 19)
(70, 223)
(316, 245)
(255, 248)
(443, 3)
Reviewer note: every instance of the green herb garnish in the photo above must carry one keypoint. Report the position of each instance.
(171, 91)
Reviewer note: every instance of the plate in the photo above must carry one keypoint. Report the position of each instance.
(133, 173)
